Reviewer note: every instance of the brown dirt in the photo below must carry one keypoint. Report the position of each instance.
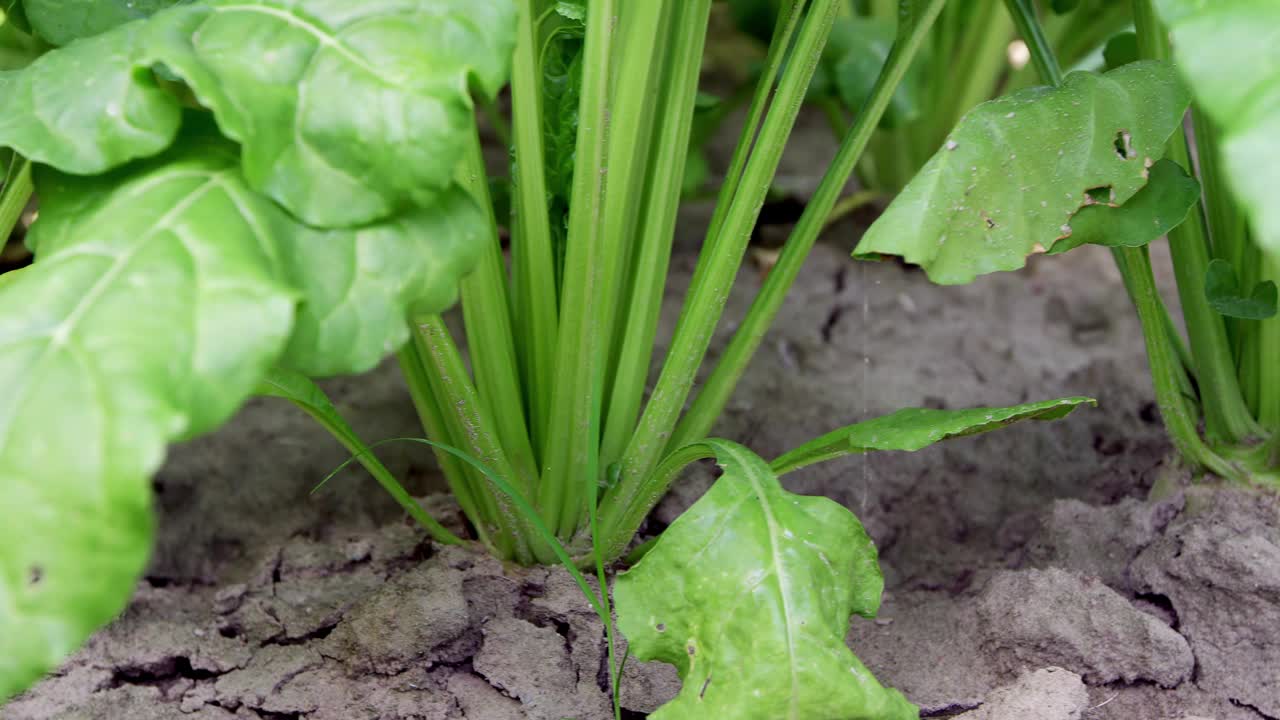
(1058, 570)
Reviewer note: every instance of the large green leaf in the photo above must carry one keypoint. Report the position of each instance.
(1014, 172)
(85, 109)
(1158, 208)
(360, 286)
(749, 595)
(61, 21)
(1229, 50)
(346, 112)
(161, 293)
(151, 312)
(913, 429)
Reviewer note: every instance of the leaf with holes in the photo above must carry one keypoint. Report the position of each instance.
(913, 429)
(61, 21)
(1222, 286)
(151, 312)
(1016, 170)
(749, 594)
(1159, 207)
(1230, 55)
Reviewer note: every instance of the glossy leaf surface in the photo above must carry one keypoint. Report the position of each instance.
(913, 429)
(61, 21)
(749, 595)
(151, 312)
(347, 113)
(1222, 286)
(86, 108)
(1015, 171)
(1229, 51)
(1158, 208)
(359, 286)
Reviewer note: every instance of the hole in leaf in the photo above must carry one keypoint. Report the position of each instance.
(1124, 145)
(1099, 195)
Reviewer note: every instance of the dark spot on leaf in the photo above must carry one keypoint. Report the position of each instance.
(661, 627)
(35, 575)
(703, 692)
(691, 650)
(1124, 145)
(991, 224)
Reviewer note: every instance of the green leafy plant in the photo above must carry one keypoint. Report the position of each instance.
(1018, 175)
(967, 59)
(239, 196)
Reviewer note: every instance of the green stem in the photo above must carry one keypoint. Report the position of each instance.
(571, 455)
(642, 42)
(1025, 19)
(850, 204)
(534, 300)
(1135, 267)
(715, 274)
(362, 453)
(1267, 357)
(526, 510)
(1229, 237)
(456, 392)
(1227, 418)
(719, 386)
(14, 197)
(634, 114)
(1166, 368)
(629, 511)
(462, 483)
(788, 23)
(982, 56)
(489, 334)
(661, 202)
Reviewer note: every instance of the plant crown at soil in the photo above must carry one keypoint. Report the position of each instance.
(240, 196)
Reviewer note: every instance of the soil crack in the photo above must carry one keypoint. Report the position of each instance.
(1251, 708)
(949, 710)
(161, 673)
